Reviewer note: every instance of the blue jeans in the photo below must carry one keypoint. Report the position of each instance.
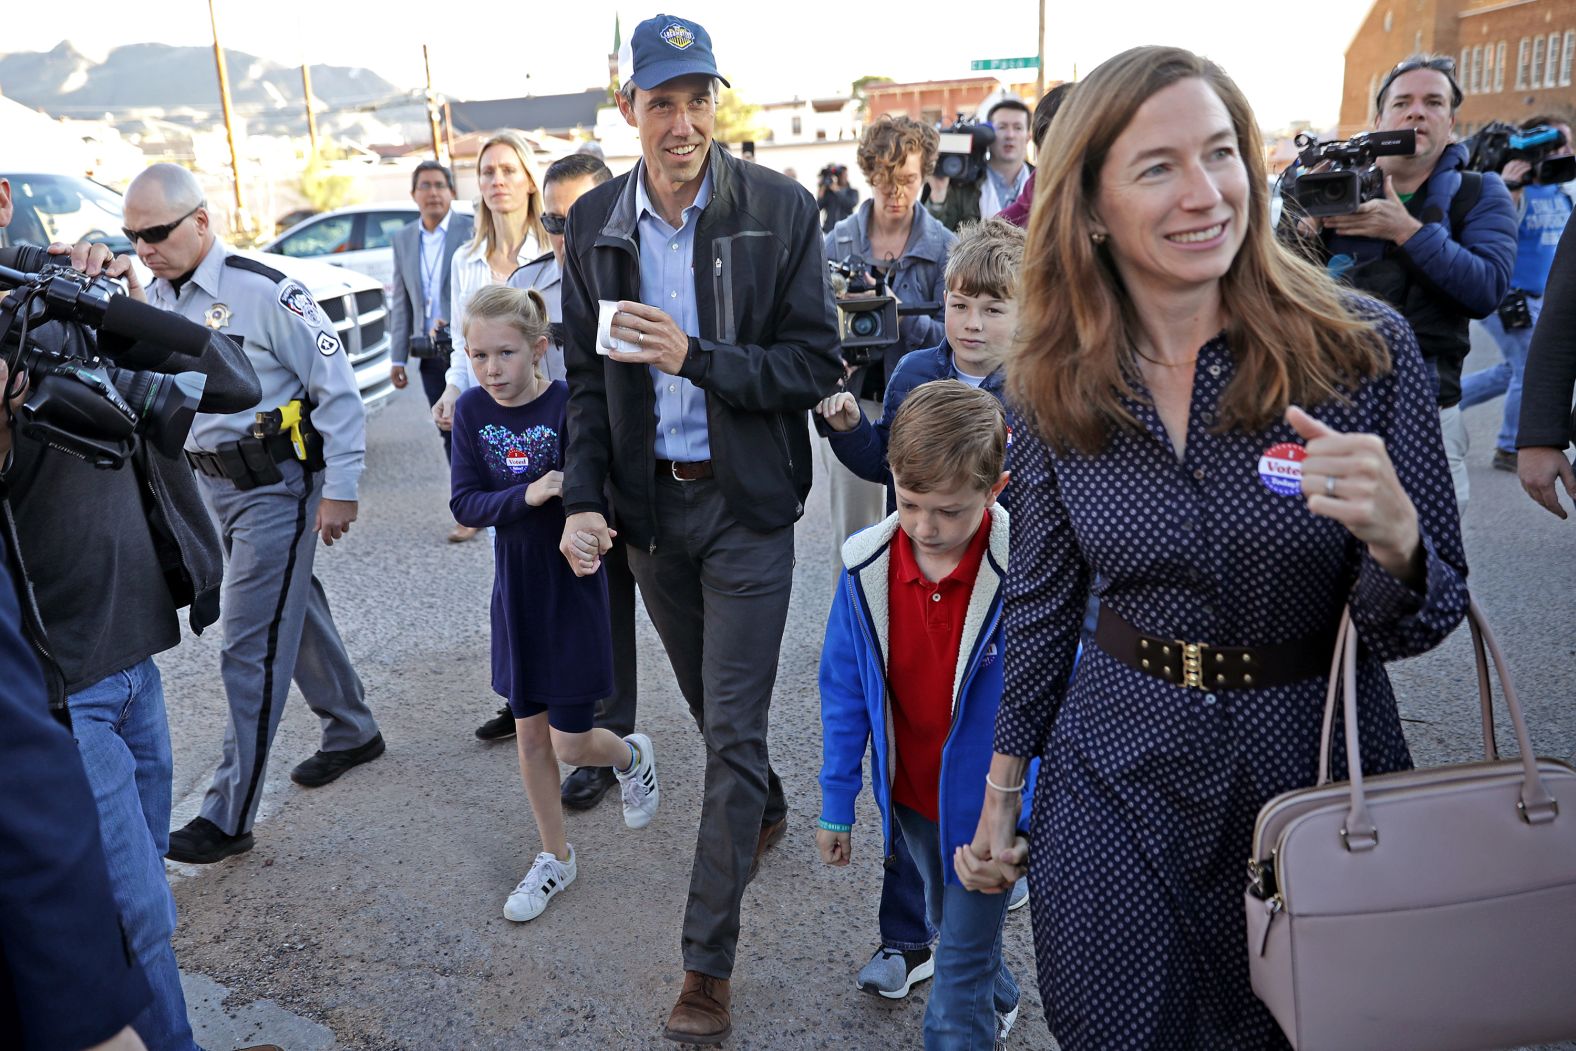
(972, 983)
(1505, 377)
(124, 738)
(901, 919)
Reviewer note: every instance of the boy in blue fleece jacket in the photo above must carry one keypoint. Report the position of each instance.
(912, 666)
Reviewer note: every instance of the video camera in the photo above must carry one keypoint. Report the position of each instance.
(829, 175)
(962, 152)
(436, 346)
(867, 314)
(82, 404)
(1497, 144)
(1353, 177)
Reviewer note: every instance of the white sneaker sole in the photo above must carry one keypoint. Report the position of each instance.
(917, 975)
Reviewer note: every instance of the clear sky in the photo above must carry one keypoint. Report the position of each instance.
(1288, 58)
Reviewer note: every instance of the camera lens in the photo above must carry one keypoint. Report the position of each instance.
(951, 165)
(864, 325)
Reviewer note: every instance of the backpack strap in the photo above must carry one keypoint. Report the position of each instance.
(1466, 198)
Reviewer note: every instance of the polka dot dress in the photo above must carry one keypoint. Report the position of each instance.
(1143, 818)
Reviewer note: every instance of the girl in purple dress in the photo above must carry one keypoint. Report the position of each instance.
(551, 655)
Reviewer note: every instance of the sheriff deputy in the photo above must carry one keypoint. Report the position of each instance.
(269, 494)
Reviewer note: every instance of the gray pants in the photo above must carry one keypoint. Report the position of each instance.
(717, 593)
(277, 626)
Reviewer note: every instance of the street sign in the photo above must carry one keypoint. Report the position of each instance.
(1005, 63)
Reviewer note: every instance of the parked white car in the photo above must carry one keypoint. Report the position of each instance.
(54, 207)
(359, 237)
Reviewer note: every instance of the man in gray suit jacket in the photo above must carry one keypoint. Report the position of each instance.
(422, 252)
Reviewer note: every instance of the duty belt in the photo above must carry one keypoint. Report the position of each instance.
(248, 463)
(1204, 666)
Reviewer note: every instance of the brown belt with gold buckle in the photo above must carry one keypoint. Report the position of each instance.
(1202, 666)
(679, 471)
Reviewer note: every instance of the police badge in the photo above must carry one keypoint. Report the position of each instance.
(217, 316)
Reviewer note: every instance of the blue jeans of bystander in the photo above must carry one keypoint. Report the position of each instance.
(972, 984)
(124, 738)
(1505, 377)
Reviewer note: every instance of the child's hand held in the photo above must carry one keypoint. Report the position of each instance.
(545, 488)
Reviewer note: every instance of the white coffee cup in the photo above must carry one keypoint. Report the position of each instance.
(605, 342)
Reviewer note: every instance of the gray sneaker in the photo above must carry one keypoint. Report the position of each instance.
(1019, 895)
(892, 972)
(1004, 1023)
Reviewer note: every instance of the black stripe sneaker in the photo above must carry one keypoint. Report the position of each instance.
(548, 876)
(639, 785)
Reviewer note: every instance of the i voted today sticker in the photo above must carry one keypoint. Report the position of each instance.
(517, 461)
(1280, 468)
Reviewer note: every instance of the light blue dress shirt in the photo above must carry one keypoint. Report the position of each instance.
(432, 269)
(667, 282)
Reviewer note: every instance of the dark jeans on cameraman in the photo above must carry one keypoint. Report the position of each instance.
(432, 371)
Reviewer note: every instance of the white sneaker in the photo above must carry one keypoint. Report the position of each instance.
(1004, 1023)
(547, 877)
(639, 785)
(1018, 897)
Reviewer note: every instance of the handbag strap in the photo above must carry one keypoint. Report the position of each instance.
(1536, 805)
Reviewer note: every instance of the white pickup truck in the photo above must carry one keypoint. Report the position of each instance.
(52, 207)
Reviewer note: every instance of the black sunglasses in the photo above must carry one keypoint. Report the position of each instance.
(554, 222)
(156, 234)
(1442, 64)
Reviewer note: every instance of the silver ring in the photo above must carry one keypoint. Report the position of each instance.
(640, 337)
(1329, 485)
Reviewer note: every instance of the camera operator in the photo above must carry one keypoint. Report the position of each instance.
(112, 555)
(1544, 211)
(272, 479)
(894, 233)
(1438, 245)
(837, 199)
(1007, 171)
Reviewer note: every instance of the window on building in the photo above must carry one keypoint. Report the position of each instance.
(1477, 70)
(1523, 52)
(1535, 79)
(1387, 20)
(1551, 70)
(1488, 67)
(1499, 66)
(1464, 70)
(820, 135)
(798, 126)
(1569, 57)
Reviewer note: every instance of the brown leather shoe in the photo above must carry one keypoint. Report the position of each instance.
(459, 534)
(770, 836)
(701, 1015)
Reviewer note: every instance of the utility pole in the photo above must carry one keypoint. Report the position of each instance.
(243, 222)
(311, 118)
(432, 108)
(1039, 76)
(448, 131)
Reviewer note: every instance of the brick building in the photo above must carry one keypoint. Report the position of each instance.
(1514, 58)
(940, 101)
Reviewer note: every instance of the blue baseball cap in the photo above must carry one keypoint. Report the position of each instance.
(663, 48)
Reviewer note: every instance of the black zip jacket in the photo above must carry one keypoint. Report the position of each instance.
(191, 559)
(1546, 418)
(768, 349)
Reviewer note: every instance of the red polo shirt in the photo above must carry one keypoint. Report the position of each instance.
(922, 658)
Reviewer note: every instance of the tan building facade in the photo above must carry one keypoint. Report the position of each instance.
(1514, 58)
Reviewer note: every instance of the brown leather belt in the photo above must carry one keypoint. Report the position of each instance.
(680, 471)
(1201, 666)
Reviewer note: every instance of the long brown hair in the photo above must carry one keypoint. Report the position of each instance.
(485, 235)
(1292, 335)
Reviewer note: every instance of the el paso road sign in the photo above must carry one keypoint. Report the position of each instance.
(1005, 63)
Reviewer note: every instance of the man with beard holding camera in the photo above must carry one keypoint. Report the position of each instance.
(1438, 245)
(110, 556)
(691, 398)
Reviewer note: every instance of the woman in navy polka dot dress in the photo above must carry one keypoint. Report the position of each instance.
(1148, 392)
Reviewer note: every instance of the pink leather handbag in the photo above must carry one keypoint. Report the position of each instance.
(1431, 909)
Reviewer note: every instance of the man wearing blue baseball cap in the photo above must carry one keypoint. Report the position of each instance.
(717, 333)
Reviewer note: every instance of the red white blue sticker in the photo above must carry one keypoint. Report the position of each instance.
(1280, 468)
(517, 461)
(1009, 437)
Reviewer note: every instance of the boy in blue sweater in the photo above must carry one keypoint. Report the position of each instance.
(912, 667)
(980, 317)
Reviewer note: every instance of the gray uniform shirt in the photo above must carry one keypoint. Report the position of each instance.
(543, 275)
(292, 346)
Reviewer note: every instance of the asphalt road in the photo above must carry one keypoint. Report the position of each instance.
(370, 913)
